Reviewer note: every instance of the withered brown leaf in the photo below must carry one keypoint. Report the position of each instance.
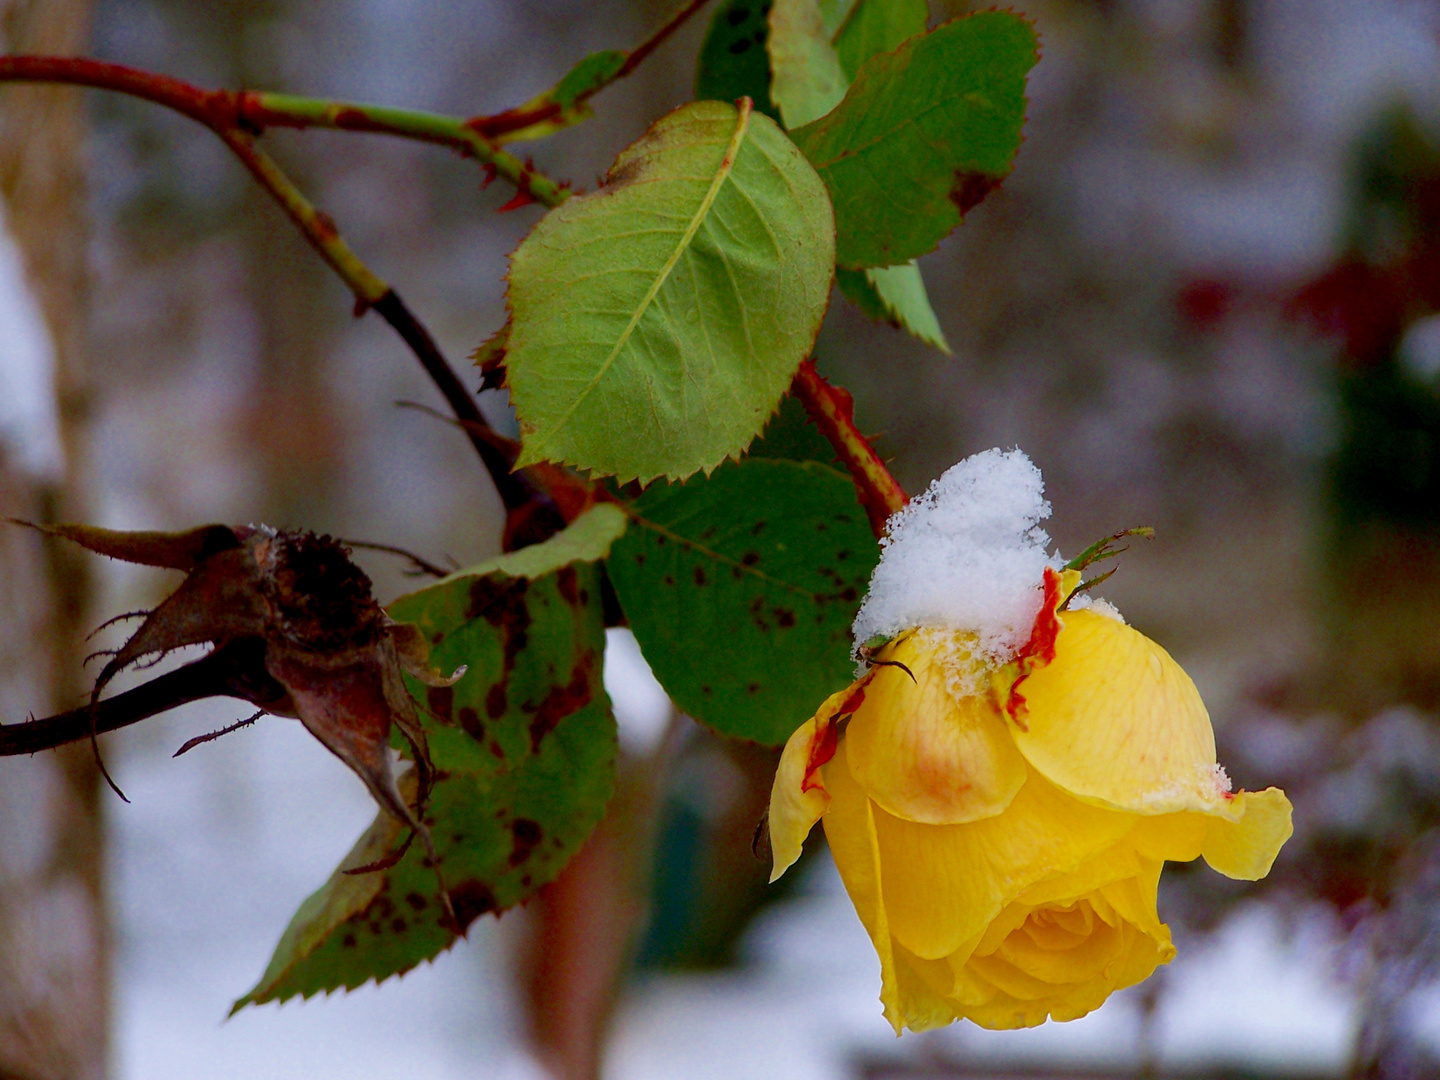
(295, 630)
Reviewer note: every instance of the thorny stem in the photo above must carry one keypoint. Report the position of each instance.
(226, 671)
(372, 292)
(832, 410)
(511, 120)
(252, 111)
(261, 109)
(237, 117)
(221, 112)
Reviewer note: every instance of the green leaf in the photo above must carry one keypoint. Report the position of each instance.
(524, 747)
(807, 80)
(733, 61)
(833, 14)
(896, 295)
(791, 436)
(658, 321)
(589, 74)
(741, 589)
(587, 539)
(500, 837)
(876, 26)
(922, 135)
(811, 76)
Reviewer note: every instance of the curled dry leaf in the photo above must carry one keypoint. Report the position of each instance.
(296, 631)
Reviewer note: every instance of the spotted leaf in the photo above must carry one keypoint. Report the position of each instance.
(741, 589)
(523, 746)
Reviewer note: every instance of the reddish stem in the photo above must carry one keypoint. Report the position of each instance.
(832, 410)
(520, 118)
(213, 108)
(223, 113)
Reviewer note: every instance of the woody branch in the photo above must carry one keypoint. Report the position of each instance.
(237, 117)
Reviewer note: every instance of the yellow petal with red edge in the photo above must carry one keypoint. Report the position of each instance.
(798, 796)
(794, 808)
(924, 754)
(1114, 720)
(943, 884)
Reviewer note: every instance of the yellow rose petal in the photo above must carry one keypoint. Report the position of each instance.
(1115, 863)
(943, 884)
(793, 809)
(922, 753)
(1171, 837)
(926, 991)
(1240, 836)
(1114, 720)
(850, 832)
(1246, 848)
(1062, 960)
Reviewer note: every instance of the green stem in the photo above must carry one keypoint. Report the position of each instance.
(258, 110)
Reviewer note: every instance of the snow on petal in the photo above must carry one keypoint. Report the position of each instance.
(967, 555)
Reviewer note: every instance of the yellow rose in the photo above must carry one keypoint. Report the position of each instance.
(1002, 845)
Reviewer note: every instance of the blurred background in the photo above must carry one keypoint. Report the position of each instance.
(1207, 300)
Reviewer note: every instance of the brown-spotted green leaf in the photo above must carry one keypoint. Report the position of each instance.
(523, 745)
(733, 61)
(741, 589)
(500, 837)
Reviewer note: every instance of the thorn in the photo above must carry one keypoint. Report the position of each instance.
(522, 198)
(361, 307)
(490, 173)
(100, 762)
(198, 739)
(419, 566)
(116, 619)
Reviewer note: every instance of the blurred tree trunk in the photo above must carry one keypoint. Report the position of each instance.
(54, 964)
(582, 926)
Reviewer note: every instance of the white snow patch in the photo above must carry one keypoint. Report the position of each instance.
(1086, 602)
(642, 708)
(968, 555)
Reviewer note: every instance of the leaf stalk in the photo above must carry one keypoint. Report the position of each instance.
(832, 410)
